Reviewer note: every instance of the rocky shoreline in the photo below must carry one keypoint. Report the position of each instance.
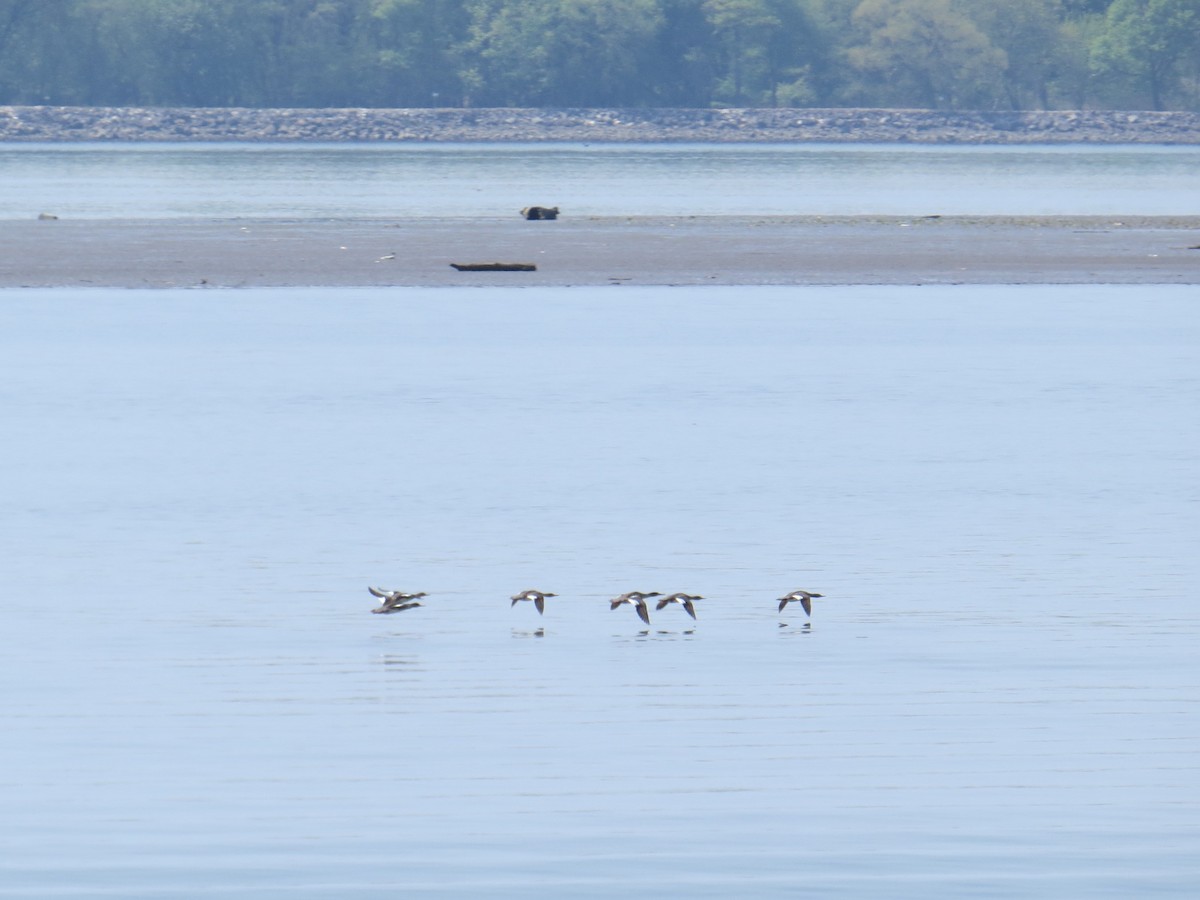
(77, 124)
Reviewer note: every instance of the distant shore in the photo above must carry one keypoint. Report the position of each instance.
(78, 124)
(611, 250)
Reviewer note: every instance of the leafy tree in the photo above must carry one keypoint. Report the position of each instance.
(1027, 31)
(833, 80)
(182, 52)
(925, 53)
(414, 50)
(38, 57)
(310, 52)
(560, 52)
(1150, 43)
(1074, 84)
(764, 46)
(935, 53)
(685, 64)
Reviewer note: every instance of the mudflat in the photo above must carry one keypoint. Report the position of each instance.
(719, 250)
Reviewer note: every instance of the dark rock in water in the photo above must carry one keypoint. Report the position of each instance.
(540, 212)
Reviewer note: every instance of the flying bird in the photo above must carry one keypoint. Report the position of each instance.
(389, 608)
(636, 599)
(538, 598)
(684, 600)
(394, 601)
(805, 598)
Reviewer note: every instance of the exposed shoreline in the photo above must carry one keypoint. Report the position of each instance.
(658, 250)
(116, 124)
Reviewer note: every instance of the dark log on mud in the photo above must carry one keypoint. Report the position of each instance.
(494, 267)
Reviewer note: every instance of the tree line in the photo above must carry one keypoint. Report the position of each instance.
(936, 54)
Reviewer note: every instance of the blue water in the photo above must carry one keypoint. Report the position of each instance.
(994, 487)
(406, 181)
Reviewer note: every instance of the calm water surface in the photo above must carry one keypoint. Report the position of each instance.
(994, 487)
(300, 181)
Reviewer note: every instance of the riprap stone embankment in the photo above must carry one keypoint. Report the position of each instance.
(71, 123)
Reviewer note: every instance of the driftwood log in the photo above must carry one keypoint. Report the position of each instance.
(494, 267)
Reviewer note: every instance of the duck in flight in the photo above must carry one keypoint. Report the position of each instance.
(399, 606)
(805, 598)
(538, 598)
(636, 599)
(394, 601)
(684, 600)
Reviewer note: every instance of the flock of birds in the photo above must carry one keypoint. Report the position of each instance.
(399, 601)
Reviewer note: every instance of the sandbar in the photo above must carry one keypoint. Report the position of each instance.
(610, 250)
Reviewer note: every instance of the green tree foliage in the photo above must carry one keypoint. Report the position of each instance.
(927, 53)
(1152, 46)
(1028, 33)
(686, 66)
(34, 67)
(1074, 83)
(410, 51)
(192, 52)
(766, 50)
(561, 52)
